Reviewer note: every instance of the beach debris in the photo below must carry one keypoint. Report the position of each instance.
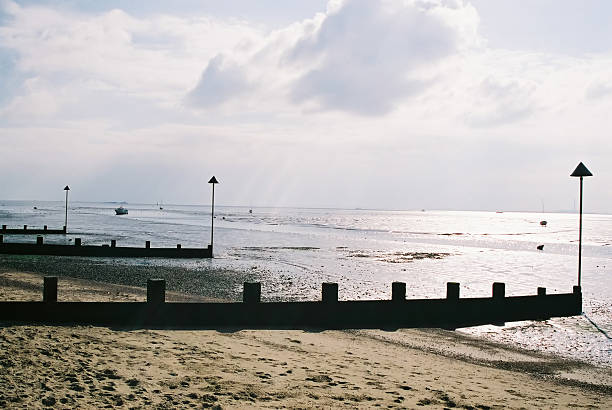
(396, 257)
(540, 247)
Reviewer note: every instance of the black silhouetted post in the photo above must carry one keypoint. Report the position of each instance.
(329, 292)
(66, 188)
(452, 291)
(251, 292)
(50, 289)
(398, 291)
(580, 171)
(212, 181)
(156, 291)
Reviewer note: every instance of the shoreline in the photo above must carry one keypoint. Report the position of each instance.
(96, 366)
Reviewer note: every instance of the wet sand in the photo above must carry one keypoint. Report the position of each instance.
(84, 366)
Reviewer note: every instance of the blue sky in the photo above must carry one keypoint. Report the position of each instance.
(437, 104)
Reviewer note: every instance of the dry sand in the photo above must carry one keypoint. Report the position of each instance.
(84, 366)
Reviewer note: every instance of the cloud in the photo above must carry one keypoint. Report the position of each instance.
(361, 93)
(361, 56)
(599, 90)
(501, 101)
(369, 54)
(221, 81)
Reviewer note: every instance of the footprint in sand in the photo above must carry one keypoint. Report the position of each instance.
(321, 378)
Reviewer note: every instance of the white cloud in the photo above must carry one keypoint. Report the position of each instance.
(361, 56)
(404, 95)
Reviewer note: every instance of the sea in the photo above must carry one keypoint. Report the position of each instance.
(292, 251)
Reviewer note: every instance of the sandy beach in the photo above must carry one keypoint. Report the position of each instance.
(84, 366)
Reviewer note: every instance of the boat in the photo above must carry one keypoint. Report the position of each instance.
(121, 211)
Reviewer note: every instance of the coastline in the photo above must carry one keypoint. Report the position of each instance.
(98, 366)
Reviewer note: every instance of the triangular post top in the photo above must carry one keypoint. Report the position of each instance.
(581, 171)
(66, 188)
(213, 180)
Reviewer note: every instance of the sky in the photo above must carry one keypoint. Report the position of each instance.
(390, 104)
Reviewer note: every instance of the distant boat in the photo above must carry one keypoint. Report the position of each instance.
(121, 211)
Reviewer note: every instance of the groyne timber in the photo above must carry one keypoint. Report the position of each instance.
(32, 231)
(112, 250)
(328, 313)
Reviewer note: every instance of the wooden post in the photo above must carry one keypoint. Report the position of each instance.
(50, 289)
(577, 291)
(329, 292)
(497, 310)
(178, 246)
(1, 238)
(499, 290)
(39, 240)
(25, 227)
(148, 244)
(113, 243)
(251, 292)
(452, 291)
(398, 291)
(45, 227)
(541, 304)
(4, 227)
(156, 291)
(77, 241)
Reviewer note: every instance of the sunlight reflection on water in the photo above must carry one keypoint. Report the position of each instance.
(292, 251)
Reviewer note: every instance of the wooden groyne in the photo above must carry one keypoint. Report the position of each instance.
(32, 231)
(328, 313)
(112, 250)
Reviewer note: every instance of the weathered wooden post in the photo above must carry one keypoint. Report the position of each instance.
(450, 313)
(178, 246)
(398, 291)
(50, 289)
(251, 292)
(77, 241)
(1, 238)
(156, 291)
(45, 227)
(329, 292)
(541, 305)
(4, 227)
(39, 240)
(113, 243)
(452, 291)
(148, 244)
(499, 290)
(25, 227)
(499, 293)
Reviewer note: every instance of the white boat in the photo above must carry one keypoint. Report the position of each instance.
(121, 211)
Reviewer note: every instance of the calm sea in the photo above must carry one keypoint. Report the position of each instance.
(293, 250)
